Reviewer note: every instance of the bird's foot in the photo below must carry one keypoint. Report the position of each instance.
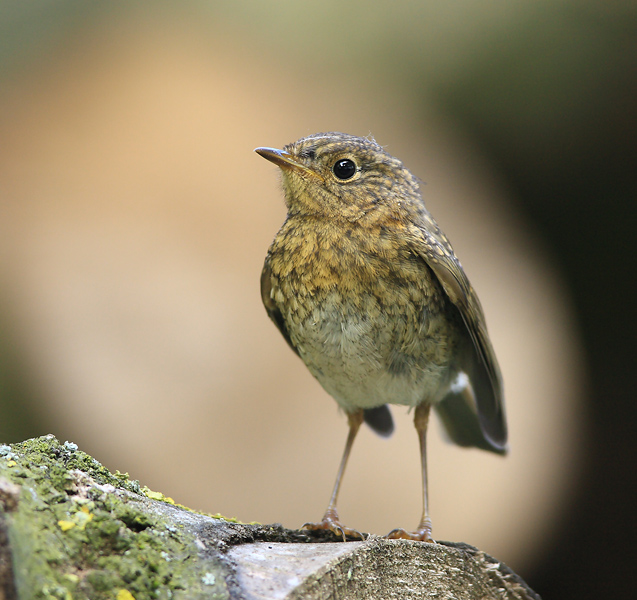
(422, 534)
(331, 523)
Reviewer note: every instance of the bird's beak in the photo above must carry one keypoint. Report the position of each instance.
(284, 160)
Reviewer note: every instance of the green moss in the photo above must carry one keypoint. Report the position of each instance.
(82, 532)
(48, 454)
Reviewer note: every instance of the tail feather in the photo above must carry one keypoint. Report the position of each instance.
(458, 414)
(380, 420)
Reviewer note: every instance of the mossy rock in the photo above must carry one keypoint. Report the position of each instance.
(76, 530)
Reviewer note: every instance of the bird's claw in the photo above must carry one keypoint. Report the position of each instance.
(422, 534)
(331, 523)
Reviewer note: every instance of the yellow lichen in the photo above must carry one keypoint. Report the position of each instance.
(66, 525)
(158, 496)
(82, 517)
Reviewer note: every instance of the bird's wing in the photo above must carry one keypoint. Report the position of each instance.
(431, 244)
(271, 308)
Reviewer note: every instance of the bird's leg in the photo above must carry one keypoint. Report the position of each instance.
(330, 519)
(423, 532)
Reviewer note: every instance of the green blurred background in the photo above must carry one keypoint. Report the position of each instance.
(115, 118)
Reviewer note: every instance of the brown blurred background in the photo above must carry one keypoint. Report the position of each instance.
(134, 219)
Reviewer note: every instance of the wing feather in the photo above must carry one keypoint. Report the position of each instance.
(481, 366)
(271, 308)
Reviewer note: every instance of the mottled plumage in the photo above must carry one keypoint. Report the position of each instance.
(366, 289)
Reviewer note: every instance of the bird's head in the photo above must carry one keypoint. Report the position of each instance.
(339, 175)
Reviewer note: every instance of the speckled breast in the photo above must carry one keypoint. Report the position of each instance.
(373, 327)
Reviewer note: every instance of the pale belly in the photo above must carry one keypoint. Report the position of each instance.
(395, 355)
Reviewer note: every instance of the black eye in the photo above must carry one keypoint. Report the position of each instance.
(344, 168)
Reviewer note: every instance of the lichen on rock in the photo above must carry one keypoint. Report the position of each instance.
(78, 531)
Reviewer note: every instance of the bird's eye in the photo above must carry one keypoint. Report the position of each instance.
(344, 168)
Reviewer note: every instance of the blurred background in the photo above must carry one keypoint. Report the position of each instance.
(134, 219)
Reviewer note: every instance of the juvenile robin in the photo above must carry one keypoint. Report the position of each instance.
(367, 290)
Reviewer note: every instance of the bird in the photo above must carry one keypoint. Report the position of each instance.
(366, 289)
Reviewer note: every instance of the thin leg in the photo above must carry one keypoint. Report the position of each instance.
(423, 533)
(330, 519)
